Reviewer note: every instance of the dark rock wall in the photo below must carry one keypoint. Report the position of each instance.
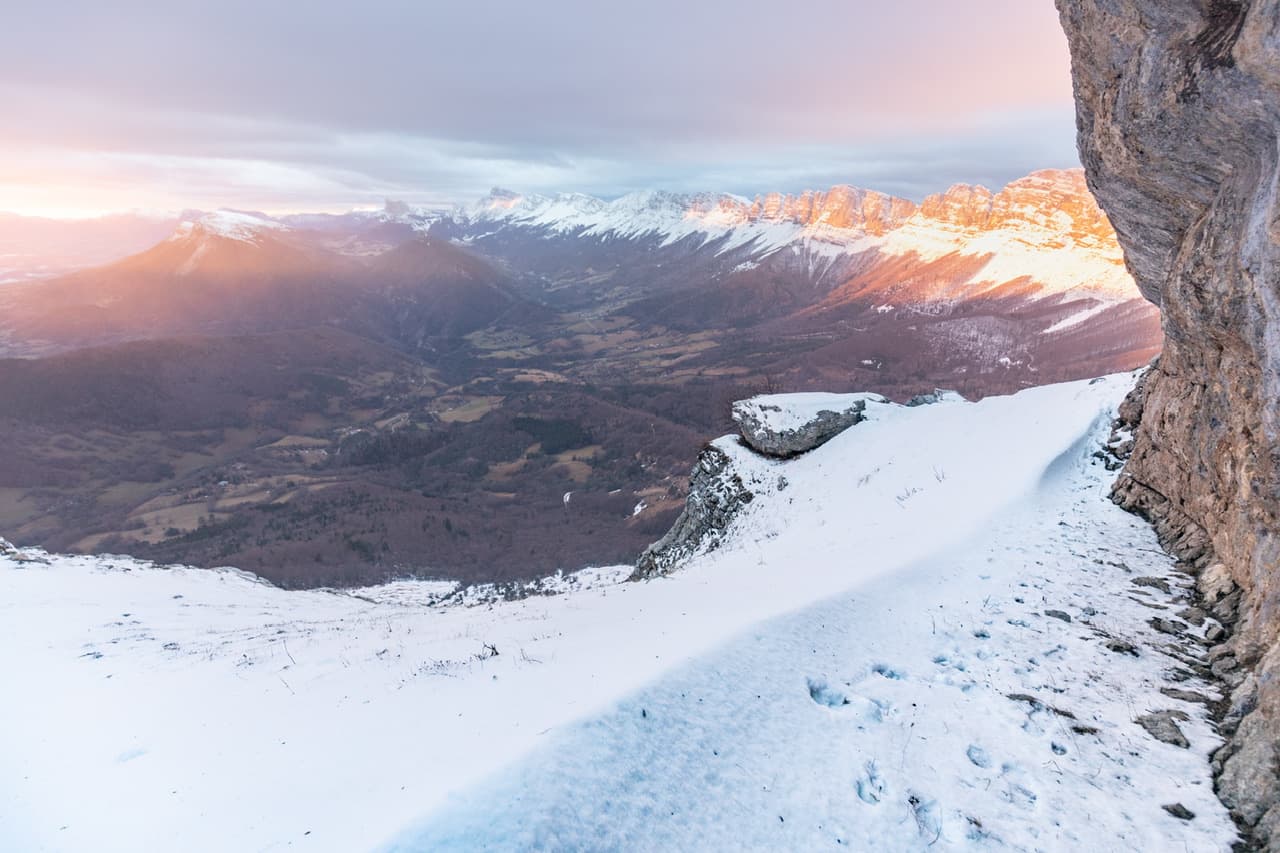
(1178, 105)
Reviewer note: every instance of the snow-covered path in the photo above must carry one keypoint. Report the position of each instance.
(969, 702)
(150, 708)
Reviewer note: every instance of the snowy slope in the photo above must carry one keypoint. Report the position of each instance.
(965, 702)
(163, 708)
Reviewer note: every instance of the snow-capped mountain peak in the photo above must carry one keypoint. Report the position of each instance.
(237, 225)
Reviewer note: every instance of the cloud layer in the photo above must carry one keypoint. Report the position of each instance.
(329, 104)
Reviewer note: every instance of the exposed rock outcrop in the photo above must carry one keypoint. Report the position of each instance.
(1178, 105)
(786, 425)
(10, 551)
(776, 425)
(716, 495)
(938, 395)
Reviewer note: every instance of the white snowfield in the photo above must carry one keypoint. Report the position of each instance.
(866, 663)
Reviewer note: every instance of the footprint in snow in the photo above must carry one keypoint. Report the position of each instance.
(871, 787)
(886, 671)
(978, 756)
(928, 816)
(1019, 795)
(822, 694)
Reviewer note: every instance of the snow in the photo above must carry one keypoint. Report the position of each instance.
(708, 218)
(784, 412)
(1078, 317)
(1047, 249)
(231, 225)
(839, 669)
(1041, 253)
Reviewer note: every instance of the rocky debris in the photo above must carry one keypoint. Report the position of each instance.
(1224, 668)
(939, 395)
(1167, 626)
(1119, 446)
(1058, 614)
(1186, 695)
(1179, 811)
(786, 425)
(1163, 726)
(1153, 583)
(1108, 459)
(1193, 615)
(716, 495)
(1219, 593)
(1037, 705)
(1122, 647)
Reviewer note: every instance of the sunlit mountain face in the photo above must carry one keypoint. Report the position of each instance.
(336, 398)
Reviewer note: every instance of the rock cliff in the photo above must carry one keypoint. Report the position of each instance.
(1178, 105)
(716, 495)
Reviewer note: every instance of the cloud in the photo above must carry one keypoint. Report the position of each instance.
(277, 106)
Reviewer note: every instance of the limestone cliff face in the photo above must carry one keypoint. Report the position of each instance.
(1178, 105)
(1050, 200)
(840, 207)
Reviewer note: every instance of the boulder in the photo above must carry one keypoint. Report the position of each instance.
(786, 425)
(1163, 726)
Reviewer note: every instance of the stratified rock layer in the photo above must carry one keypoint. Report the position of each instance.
(1178, 106)
(716, 495)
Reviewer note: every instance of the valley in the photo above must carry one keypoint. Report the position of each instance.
(501, 391)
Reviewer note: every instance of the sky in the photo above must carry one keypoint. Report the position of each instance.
(328, 105)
